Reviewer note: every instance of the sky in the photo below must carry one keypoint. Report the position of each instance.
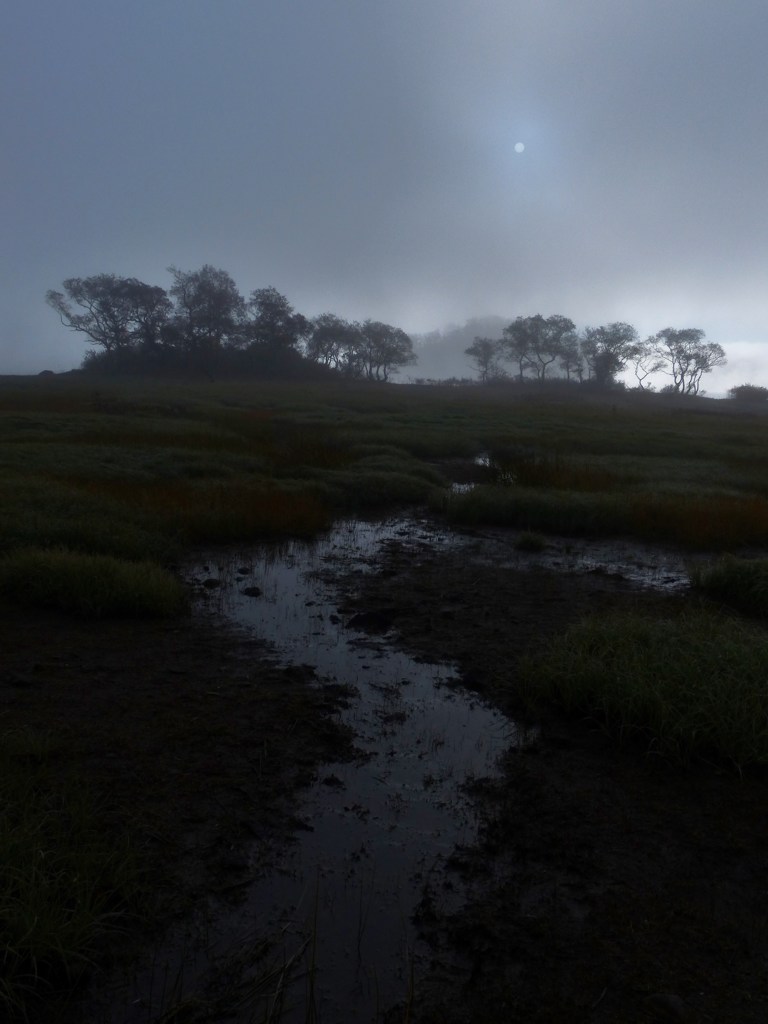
(420, 162)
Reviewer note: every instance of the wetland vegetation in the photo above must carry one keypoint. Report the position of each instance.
(107, 486)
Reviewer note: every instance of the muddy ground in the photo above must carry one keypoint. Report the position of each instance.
(608, 886)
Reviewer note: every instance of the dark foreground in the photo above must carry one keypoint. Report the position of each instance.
(609, 886)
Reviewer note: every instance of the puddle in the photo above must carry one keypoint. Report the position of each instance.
(378, 830)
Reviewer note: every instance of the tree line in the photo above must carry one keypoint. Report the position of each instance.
(535, 347)
(203, 323)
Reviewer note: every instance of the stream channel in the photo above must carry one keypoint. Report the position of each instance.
(379, 829)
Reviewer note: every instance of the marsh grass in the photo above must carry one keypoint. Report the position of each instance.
(741, 583)
(64, 884)
(687, 685)
(703, 521)
(39, 512)
(537, 468)
(216, 511)
(91, 586)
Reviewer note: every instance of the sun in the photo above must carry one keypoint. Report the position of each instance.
(519, 147)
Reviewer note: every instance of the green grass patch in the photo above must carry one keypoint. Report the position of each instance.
(741, 583)
(64, 884)
(687, 685)
(92, 586)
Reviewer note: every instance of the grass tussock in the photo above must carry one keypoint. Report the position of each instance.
(92, 586)
(741, 583)
(688, 685)
(64, 885)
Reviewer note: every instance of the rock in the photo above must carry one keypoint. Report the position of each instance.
(251, 591)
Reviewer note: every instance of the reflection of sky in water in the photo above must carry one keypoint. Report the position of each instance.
(379, 825)
(380, 828)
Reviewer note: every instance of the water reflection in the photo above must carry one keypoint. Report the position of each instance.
(377, 829)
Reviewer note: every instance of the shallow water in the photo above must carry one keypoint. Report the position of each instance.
(380, 827)
(377, 830)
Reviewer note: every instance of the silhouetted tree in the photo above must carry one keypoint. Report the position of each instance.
(209, 311)
(534, 343)
(607, 350)
(571, 361)
(687, 357)
(485, 354)
(274, 322)
(117, 312)
(331, 340)
(380, 351)
(645, 361)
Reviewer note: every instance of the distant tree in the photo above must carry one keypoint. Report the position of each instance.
(571, 361)
(485, 354)
(686, 357)
(645, 361)
(380, 351)
(516, 344)
(331, 340)
(274, 322)
(534, 343)
(117, 312)
(748, 393)
(209, 310)
(607, 350)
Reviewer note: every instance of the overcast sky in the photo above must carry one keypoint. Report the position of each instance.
(360, 156)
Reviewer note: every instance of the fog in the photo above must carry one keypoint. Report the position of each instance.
(367, 159)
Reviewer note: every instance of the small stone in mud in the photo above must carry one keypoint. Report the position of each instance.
(251, 591)
(211, 583)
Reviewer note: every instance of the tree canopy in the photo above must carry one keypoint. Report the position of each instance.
(203, 323)
(116, 312)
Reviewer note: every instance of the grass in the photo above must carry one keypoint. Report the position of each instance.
(65, 885)
(688, 685)
(741, 583)
(91, 586)
(695, 521)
